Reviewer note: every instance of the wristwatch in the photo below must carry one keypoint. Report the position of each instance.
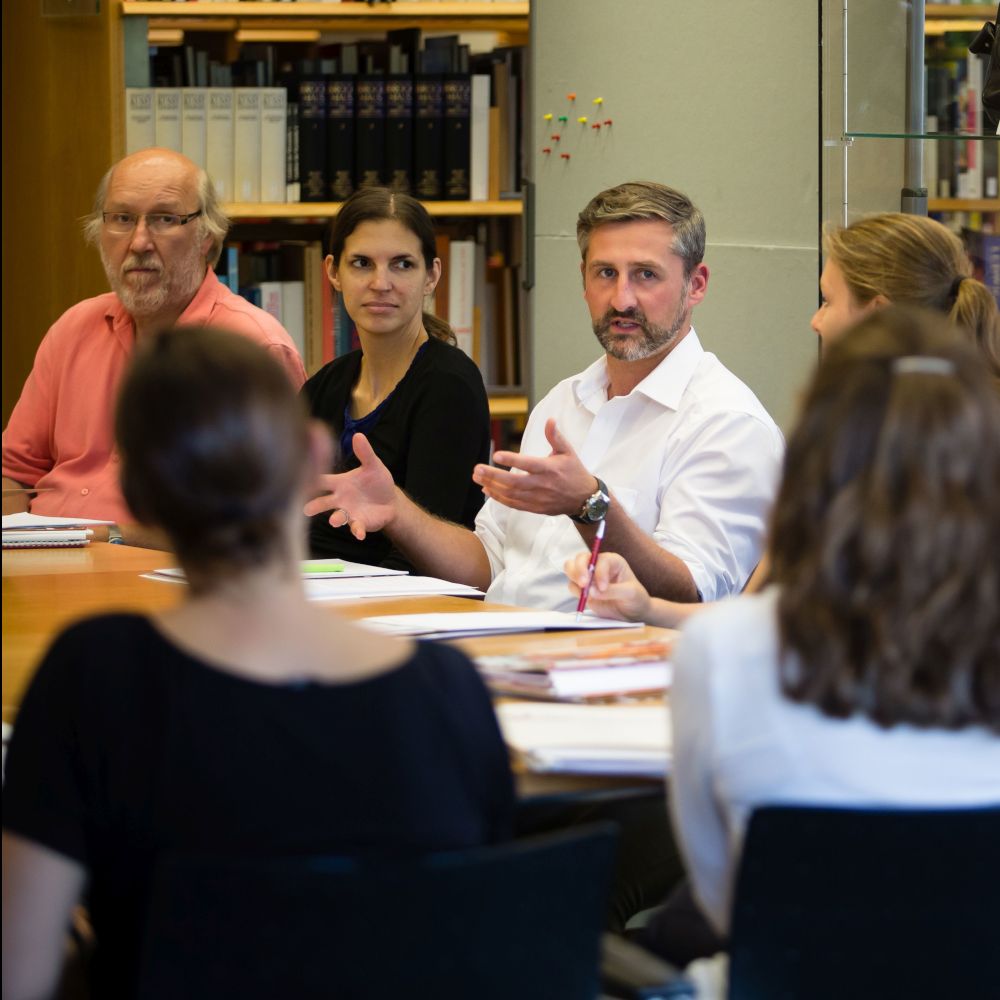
(115, 535)
(595, 507)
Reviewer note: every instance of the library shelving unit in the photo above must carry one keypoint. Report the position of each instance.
(967, 19)
(878, 143)
(71, 61)
(903, 122)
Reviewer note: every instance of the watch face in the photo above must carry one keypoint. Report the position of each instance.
(596, 507)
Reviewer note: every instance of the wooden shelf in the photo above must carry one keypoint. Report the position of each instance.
(942, 17)
(328, 209)
(984, 11)
(230, 15)
(963, 204)
(505, 407)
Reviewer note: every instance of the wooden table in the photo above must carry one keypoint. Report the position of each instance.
(46, 589)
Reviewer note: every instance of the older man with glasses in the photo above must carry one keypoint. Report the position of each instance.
(159, 230)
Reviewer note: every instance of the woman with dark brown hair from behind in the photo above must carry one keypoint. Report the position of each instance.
(244, 721)
(867, 672)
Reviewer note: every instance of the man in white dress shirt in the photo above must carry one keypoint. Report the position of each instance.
(656, 437)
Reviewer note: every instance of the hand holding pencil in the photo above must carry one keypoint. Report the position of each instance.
(607, 585)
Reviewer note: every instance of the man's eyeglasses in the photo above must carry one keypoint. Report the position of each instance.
(158, 223)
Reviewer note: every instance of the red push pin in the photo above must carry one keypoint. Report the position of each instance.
(607, 121)
(564, 156)
(571, 97)
(555, 138)
(596, 125)
(546, 149)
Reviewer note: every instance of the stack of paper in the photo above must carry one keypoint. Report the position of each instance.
(36, 531)
(631, 740)
(606, 671)
(450, 625)
(340, 580)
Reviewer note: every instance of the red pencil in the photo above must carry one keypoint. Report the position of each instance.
(585, 593)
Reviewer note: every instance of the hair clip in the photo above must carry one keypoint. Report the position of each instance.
(915, 364)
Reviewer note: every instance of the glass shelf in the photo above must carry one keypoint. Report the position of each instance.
(935, 136)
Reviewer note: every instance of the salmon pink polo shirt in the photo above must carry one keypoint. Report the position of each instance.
(60, 436)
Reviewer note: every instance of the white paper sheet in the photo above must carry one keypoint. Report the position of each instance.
(466, 623)
(24, 519)
(312, 569)
(341, 589)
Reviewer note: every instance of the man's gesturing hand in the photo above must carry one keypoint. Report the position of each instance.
(556, 484)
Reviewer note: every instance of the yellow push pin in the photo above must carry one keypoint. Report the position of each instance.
(582, 119)
(548, 118)
(598, 100)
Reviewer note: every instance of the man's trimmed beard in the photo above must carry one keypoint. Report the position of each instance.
(178, 285)
(654, 338)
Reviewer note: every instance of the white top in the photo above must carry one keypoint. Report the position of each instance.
(690, 454)
(739, 743)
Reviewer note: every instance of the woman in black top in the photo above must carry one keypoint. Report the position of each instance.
(416, 397)
(244, 721)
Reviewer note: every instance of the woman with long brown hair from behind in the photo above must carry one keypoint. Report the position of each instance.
(867, 673)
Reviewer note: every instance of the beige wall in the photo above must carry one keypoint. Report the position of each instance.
(726, 109)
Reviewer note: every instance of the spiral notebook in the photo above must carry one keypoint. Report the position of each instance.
(46, 538)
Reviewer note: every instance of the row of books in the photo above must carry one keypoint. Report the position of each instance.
(436, 122)
(957, 168)
(478, 296)
(258, 148)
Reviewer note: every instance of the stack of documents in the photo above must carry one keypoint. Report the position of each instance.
(36, 531)
(459, 624)
(578, 672)
(340, 580)
(630, 740)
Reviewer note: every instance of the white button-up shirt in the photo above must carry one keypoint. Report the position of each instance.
(689, 453)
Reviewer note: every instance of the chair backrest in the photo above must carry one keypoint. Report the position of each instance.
(517, 920)
(867, 903)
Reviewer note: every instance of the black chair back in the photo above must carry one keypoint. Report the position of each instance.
(853, 903)
(519, 920)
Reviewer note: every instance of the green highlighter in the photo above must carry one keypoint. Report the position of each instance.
(322, 566)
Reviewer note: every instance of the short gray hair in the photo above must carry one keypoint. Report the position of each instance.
(213, 222)
(639, 201)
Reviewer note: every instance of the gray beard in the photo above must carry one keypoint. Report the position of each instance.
(179, 287)
(654, 340)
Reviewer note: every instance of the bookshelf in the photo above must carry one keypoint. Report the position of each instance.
(868, 139)
(58, 144)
